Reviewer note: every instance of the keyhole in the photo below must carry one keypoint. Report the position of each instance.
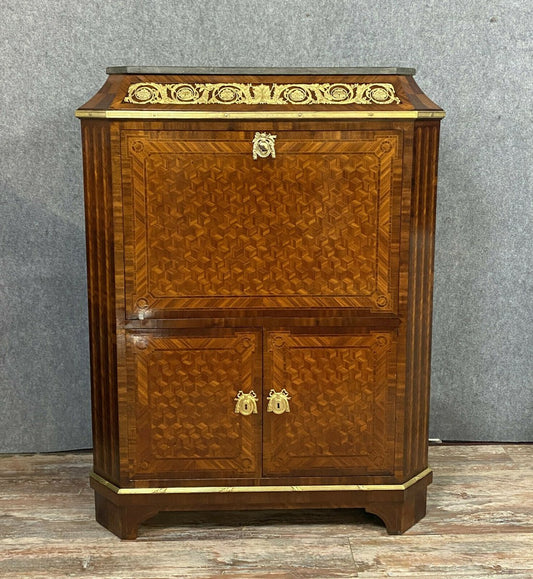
(246, 406)
(279, 405)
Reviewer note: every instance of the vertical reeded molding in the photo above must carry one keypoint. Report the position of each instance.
(419, 317)
(101, 294)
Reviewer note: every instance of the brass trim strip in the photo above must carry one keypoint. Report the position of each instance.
(257, 489)
(166, 114)
(431, 114)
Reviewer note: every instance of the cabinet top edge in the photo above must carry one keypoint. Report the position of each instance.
(260, 71)
(172, 92)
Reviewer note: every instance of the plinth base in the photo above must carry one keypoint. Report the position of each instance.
(122, 510)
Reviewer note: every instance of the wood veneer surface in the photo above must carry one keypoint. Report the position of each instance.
(321, 254)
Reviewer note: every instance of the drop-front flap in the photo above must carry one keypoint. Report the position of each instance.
(240, 93)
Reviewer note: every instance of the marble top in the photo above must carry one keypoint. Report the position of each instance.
(178, 70)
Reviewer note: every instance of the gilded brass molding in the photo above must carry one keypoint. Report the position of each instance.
(257, 489)
(243, 115)
(376, 93)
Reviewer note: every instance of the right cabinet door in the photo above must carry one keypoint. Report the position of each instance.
(332, 403)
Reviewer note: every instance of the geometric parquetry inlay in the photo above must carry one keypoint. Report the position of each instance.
(183, 404)
(340, 412)
(273, 237)
(185, 390)
(310, 229)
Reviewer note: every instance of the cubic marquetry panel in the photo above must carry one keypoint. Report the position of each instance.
(342, 406)
(315, 227)
(184, 416)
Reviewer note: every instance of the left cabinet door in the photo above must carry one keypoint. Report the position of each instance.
(184, 416)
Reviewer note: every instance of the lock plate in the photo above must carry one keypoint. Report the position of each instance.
(264, 145)
(246, 403)
(278, 402)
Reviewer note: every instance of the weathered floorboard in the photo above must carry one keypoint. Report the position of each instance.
(479, 524)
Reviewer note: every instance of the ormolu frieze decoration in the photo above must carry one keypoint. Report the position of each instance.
(377, 93)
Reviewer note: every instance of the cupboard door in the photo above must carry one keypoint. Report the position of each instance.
(332, 404)
(182, 405)
(207, 226)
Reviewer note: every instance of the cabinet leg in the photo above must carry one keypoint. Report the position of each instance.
(123, 521)
(400, 516)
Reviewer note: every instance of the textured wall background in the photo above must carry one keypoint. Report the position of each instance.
(474, 59)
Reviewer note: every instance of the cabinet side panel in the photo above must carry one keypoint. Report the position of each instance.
(101, 293)
(426, 140)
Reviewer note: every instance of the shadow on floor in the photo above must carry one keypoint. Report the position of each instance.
(171, 525)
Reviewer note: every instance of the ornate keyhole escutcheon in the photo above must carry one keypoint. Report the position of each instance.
(264, 145)
(278, 402)
(246, 403)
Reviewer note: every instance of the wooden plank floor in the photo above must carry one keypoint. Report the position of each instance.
(479, 524)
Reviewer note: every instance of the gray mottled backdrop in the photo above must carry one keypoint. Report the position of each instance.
(473, 58)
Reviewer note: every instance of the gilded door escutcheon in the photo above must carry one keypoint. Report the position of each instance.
(264, 145)
(278, 402)
(246, 403)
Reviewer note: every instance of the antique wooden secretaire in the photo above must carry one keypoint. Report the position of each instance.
(260, 257)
